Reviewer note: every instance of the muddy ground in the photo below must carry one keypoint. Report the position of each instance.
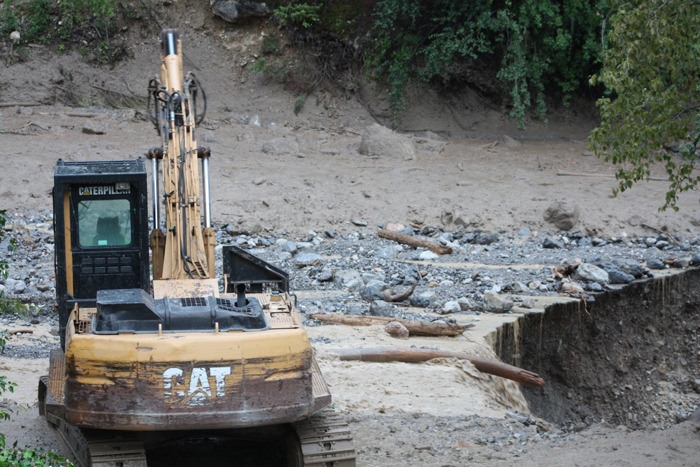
(284, 174)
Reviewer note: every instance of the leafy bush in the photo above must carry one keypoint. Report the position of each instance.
(7, 304)
(297, 15)
(65, 22)
(539, 45)
(14, 455)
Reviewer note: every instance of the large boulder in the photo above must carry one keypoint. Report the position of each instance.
(233, 10)
(563, 214)
(380, 141)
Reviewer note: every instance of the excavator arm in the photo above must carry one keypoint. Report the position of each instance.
(182, 248)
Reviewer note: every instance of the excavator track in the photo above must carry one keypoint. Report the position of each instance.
(88, 447)
(325, 440)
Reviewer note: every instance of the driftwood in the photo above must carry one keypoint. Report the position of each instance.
(21, 331)
(415, 328)
(414, 241)
(596, 175)
(421, 355)
(19, 104)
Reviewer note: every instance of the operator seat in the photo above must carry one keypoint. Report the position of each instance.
(109, 232)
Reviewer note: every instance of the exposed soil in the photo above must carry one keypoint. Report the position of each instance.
(280, 174)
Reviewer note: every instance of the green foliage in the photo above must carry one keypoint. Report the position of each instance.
(3, 264)
(299, 104)
(8, 305)
(22, 457)
(270, 44)
(91, 22)
(39, 19)
(297, 15)
(5, 386)
(651, 113)
(539, 44)
(8, 20)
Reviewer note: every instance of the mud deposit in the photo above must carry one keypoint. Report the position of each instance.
(628, 358)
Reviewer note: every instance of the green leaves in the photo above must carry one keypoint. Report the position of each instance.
(652, 75)
(539, 44)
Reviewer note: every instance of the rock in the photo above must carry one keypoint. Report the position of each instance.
(94, 127)
(349, 278)
(423, 299)
(14, 286)
(655, 263)
(281, 147)
(495, 304)
(304, 259)
(427, 255)
(326, 275)
(486, 238)
(379, 141)
(695, 260)
(233, 10)
(516, 287)
(284, 256)
(290, 247)
(381, 308)
(619, 277)
(631, 266)
(597, 241)
(374, 290)
(359, 222)
(661, 244)
(594, 287)
(571, 287)
(465, 304)
(396, 329)
(451, 306)
(563, 214)
(552, 243)
(680, 263)
(388, 252)
(589, 273)
(510, 142)
(43, 287)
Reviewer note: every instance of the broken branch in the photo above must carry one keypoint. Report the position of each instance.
(491, 367)
(416, 328)
(414, 241)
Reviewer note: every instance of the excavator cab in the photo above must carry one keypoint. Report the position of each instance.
(101, 231)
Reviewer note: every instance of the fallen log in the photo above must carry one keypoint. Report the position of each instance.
(414, 241)
(422, 355)
(415, 328)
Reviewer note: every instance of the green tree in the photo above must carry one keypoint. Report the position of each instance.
(650, 114)
(534, 45)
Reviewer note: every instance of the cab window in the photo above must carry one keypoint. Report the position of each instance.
(104, 222)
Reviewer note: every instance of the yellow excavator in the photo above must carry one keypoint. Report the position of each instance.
(156, 356)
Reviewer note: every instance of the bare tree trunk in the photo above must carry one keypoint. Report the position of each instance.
(414, 242)
(421, 355)
(415, 328)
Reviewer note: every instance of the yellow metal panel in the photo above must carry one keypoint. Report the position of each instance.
(194, 346)
(69, 245)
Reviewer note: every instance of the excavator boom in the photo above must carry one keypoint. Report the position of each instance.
(185, 250)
